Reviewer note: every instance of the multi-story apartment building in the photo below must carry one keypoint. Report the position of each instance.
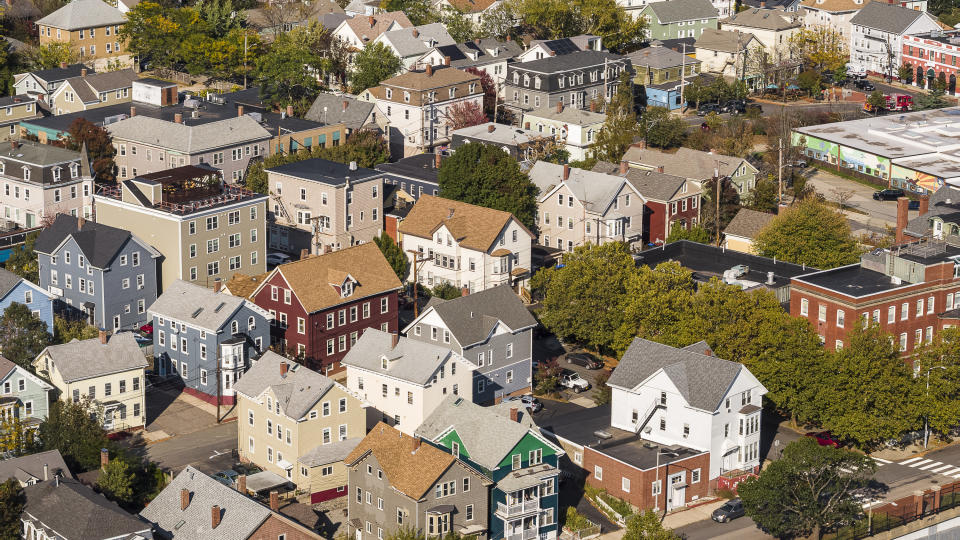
(90, 91)
(205, 229)
(147, 145)
(16, 108)
(202, 336)
(774, 29)
(416, 105)
(661, 72)
(14, 288)
(492, 326)
(543, 48)
(410, 44)
(877, 31)
(41, 84)
(107, 273)
(319, 321)
(468, 246)
(108, 370)
(91, 27)
(575, 129)
(669, 201)
(397, 482)
(576, 207)
(679, 18)
(41, 181)
(322, 205)
(505, 444)
(833, 14)
(930, 54)
(296, 423)
(573, 80)
(405, 379)
(23, 395)
(487, 55)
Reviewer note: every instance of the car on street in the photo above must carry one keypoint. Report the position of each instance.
(889, 194)
(531, 403)
(707, 108)
(798, 163)
(227, 477)
(583, 359)
(731, 509)
(275, 258)
(824, 438)
(863, 84)
(573, 381)
(734, 106)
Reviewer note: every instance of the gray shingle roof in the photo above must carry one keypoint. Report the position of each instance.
(471, 318)
(920, 225)
(88, 87)
(78, 513)
(326, 454)
(886, 17)
(186, 137)
(412, 361)
(40, 154)
(748, 223)
(429, 35)
(79, 360)
(100, 243)
(730, 41)
(83, 14)
(765, 19)
(487, 434)
(683, 10)
(196, 305)
(297, 391)
(501, 134)
(486, 51)
(595, 190)
(354, 115)
(30, 467)
(660, 58)
(685, 162)
(702, 380)
(240, 516)
(656, 185)
(58, 74)
(8, 280)
(575, 60)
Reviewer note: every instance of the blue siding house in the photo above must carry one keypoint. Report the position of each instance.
(491, 328)
(14, 288)
(506, 446)
(108, 274)
(414, 175)
(198, 332)
(23, 395)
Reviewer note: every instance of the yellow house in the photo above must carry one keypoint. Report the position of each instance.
(90, 91)
(91, 27)
(298, 424)
(107, 370)
(743, 230)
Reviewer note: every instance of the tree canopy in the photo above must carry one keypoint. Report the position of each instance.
(22, 335)
(394, 254)
(116, 482)
(809, 233)
(23, 260)
(12, 502)
(662, 129)
(373, 65)
(76, 430)
(99, 145)
(620, 126)
(552, 19)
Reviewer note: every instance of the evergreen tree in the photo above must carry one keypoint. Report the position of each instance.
(22, 335)
(393, 253)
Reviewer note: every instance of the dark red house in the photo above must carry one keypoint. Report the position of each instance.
(323, 303)
(669, 201)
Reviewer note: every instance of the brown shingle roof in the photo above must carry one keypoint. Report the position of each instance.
(472, 6)
(748, 223)
(475, 227)
(381, 22)
(833, 5)
(309, 278)
(410, 470)
(243, 285)
(420, 80)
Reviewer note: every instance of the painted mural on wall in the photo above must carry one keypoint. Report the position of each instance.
(864, 162)
(815, 145)
(915, 181)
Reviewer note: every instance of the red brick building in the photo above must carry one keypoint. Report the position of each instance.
(323, 303)
(669, 201)
(929, 55)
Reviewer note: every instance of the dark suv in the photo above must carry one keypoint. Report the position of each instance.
(585, 360)
(890, 194)
(732, 509)
(707, 108)
(863, 84)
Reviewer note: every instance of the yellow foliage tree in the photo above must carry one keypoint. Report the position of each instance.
(822, 47)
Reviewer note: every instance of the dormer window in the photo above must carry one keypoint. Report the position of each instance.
(56, 174)
(560, 82)
(453, 92)
(74, 170)
(3, 167)
(389, 93)
(473, 88)
(516, 78)
(406, 96)
(526, 80)
(26, 173)
(536, 83)
(383, 363)
(347, 289)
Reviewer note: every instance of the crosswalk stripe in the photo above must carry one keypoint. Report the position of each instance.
(930, 466)
(911, 460)
(881, 460)
(920, 462)
(951, 473)
(941, 469)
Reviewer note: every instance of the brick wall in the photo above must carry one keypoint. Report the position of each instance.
(640, 492)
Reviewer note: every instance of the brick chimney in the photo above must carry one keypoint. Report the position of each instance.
(239, 111)
(763, 5)
(371, 21)
(103, 337)
(178, 118)
(490, 128)
(624, 167)
(217, 285)
(394, 340)
(924, 204)
(446, 60)
(214, 516)
(566, 171)
(416, 33)
(104, 458)
(290, 111)
(464, 291)
(81, 222)
(429, 71)
(416, 443)
(508, 37)
(83, 72)
(660, 168)
(436, 160)
(304, 254)
(283, 369)
(593, 106)
(903, 204)
(345, 105)
(526, 125)
(184, 498)
(708, 352)
(274, 501)
(242, 484)
(560, 107)
(133, 112)
(63, 65)
(514, 414)
(641, 145)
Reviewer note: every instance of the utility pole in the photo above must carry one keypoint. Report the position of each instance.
(717, 180)
(244, 61)
(780, 173)
(606, 77)
(219, 360)
(416, 268)
(683, 78)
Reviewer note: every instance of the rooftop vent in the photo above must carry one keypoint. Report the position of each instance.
(219, 307)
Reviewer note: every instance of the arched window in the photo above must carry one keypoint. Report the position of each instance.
(251, 323)
(234, 327)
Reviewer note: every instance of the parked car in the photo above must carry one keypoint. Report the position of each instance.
(799, 163)
(531, 403)
(227, 477)
(913, 205)
(735, 106)
(707, 108)
(824, 438)
(732, 509)
(586, 360)
(863, 84)
(889, 194)
(573, 381)
(275, 258)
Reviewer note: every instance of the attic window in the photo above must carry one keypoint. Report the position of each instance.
(383, 363)
(347, 289)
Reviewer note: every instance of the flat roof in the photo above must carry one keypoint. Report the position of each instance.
(325, 171)
(852, 280)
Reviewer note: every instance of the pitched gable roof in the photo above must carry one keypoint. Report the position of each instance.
(369, 28)
(410, 466)
(474, 227)
(197, 305)
(99, 243)
(834, 6)
(683, 10)
(658, 186)
(891, 18)
(8, 281)
(243, 285)
(685, 162)
(944, 203)
(764, 19)
(595, 190)
(420, 80)
(471, 318)
(417, 40)
(659, 57)
(80, 360)
(56, 74)
(333, 109)
(748, 223)
(485, 50)
(29, 468)
(88, 88)
(79, 14)
(409, 360)
(188, 138)
(297, 390)
(730, 41)
(70, 508)
(472, 6)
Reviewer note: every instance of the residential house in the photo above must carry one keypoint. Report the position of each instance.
(774, 29)
(832, 14)
(468, 246)
(724, 52)
(876, 36)
(522, 144)
(744, 228)
(492, 325)
(653, 395)
(576, 207)
(195, 505)
(362, 8)
(416, 106)
(357, 32)
(202, 336)
(322, 205)
(788, 6)
(724, 7)
(63, 508)
(695, 165)
(41, 181)
(573, 80)
(416, 486)
(89, 91)
(317, 422)
(483, 54)
(539, 49)
(205, 229)
(474, 10)
(90, 27)
(661, 72)
(15, 109)
(414, 175)
(576, 129)
(23, 396)
(280, 17)
(31, 469)
(14, 288)
(107, 273)
(41, 84)
(406, 379)
(505, 444)
(343, 109)
(108, 370)
(322, 304)
(679, 18)
(410, 44)
(936, 218)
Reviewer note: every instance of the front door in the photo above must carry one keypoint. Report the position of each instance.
(678, 491)
(359, 534)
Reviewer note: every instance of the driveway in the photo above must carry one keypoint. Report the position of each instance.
(170, 412)
(872, 214)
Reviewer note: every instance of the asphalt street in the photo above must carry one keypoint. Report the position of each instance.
(739, 529)
(903, 476)
(208, 450)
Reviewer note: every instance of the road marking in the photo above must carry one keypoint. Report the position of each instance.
(911, 460)
(951, 473)
(930, 466)
(941, 469)
(920, 462)
(881, 460)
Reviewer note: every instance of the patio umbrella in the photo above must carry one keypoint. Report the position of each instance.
(772, 86)
(792, 87)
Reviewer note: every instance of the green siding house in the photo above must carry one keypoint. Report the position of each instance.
(674, 19)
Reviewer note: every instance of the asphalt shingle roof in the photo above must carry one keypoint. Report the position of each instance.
(325, 171)
(79, 14)
(475, 227)
(297, 391)
(920, 225)
(686, 162)
(77, 512)
(748, 223)
(660, 58)
(30, 467)
(407, 44)
(410, 360)
(80, 360)
(345, 109)
(724, 40)
(486, 50)
(702, 380)
(100, 243)
(656, 185)
(60, 74)
(8, 280)
(575, 60)
(196, 305)
(683, 10)
(594, 190)
(765, 19)
(471, 318)
(40, 154)
(186, 137)
(886, 17)
(326, 454)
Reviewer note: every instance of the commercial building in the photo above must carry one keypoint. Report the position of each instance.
(930, 54)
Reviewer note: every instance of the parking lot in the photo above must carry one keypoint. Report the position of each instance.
(549, 348)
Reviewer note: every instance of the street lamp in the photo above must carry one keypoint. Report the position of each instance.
(659, 453)
(926, 424)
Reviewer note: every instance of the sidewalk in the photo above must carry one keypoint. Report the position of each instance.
(680, 518)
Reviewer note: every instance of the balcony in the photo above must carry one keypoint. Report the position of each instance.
(518, 509)
(529, 534)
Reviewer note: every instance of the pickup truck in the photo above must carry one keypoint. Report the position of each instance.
(574, 381)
